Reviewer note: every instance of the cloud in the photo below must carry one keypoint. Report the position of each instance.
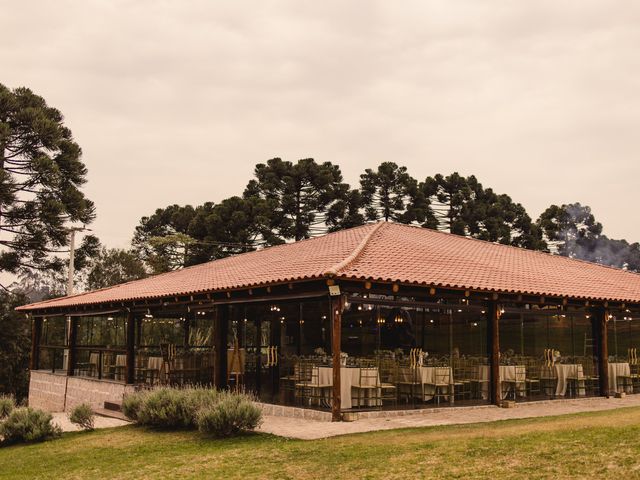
(175, 102)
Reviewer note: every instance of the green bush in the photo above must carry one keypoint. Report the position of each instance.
(7, 405)
(82, 415)
(28, 425)
(174, 408)
(132, 403)
(232, 414)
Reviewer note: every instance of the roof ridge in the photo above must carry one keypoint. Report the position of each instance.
(521, 249)
(333, 271)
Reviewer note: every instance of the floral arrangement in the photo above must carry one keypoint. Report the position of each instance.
(343, 358)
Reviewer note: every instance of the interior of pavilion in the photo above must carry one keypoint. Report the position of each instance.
(396, 352)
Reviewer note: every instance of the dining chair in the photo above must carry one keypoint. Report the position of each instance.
(591, 377)
(462, 379)
(548, 378)
(368, 388)
(516, 385)
(407, 382)
(533, 382)
(575, 380)
(388, 374)
(442, 384)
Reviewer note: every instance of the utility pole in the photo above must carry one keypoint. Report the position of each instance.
(72, 248)
(72, 251)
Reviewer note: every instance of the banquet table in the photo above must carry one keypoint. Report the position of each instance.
(157, 364)
(349, 378)
(426, 377)
(563, 372)
(507, 372)
(621, 369)
(94, 360)
(120, 367)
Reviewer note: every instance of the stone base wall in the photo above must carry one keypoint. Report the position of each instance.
(294, 412)
(58, 393)
(94, 392)
(47, 391)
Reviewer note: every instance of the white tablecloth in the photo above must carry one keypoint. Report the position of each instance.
(618, 370)
(428, 379)
(507, 372)
(563, 372)
(121, 364)
(156, 363)
(348, 378)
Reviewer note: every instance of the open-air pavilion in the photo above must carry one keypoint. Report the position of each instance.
(379, 317)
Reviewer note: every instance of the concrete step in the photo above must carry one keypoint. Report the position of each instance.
(103, 412)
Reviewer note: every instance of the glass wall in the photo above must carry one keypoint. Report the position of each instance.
(623, 334)
(54, 354)
(547, 353)
(175, 348)
(396, 352)
(434, 354)
(101, 347)
(266, 342)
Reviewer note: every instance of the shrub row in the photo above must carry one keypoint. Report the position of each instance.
(210, 411)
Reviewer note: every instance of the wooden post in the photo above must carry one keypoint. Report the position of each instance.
(73, 340)
(220, 331)
(130, 376)
(36, 334)
(599, 318)
(337, 304)
(493, 345)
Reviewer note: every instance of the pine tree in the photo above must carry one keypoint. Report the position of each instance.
(300, 194)
(461, 205)
(41, 173)
(391, 194)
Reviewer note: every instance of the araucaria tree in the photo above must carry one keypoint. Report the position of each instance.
(41, 173)
(461, 205)
(300, 193)
(391, 194)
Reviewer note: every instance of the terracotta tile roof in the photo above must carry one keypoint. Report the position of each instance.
(387, 252)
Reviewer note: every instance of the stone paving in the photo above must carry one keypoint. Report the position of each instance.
(308, 429)
(61, 418)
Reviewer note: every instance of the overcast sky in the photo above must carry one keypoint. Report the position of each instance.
(175, 102)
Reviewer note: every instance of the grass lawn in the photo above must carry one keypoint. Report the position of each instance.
(597, 445)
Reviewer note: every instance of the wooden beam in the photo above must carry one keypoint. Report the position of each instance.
(73, 340)
(130, 375)
(337, 304)
(36, 334)
(599, 318)
(220, 330)
(493, 346)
